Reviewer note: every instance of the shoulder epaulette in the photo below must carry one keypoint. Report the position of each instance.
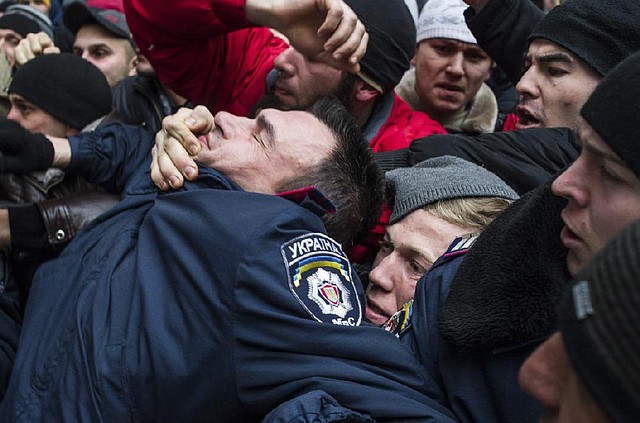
(461, 245)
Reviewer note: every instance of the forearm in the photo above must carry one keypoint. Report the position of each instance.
(61, 152)
(109, 156)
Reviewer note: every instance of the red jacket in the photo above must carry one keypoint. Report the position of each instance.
(205, 50)
(402, 126)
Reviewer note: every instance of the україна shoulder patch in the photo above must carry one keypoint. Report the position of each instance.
(320, 279)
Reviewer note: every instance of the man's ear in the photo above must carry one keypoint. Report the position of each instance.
(364, 91)
(413, 60)
(132, 65)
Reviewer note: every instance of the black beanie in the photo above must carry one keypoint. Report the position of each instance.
(5, 4)
(600, 32)
(613, 108)
(599, 317)
(66, 86)
(392, 36)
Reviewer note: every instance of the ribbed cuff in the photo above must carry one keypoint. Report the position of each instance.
(389, 160)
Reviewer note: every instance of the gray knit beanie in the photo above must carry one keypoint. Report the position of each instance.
(440, 178)
(25, 19)
(600, 325)
(444, 19)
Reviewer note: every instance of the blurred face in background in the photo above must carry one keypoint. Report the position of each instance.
(39, 5)
(9, 40)
(548, 376)
(113, 55)
(34, 119)
(449, 73)
(303, 81)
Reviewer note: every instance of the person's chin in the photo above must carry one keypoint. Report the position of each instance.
(529, 125)
(375, 317)
(575, 261)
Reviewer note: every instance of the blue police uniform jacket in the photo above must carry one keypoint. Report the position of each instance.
(476, 384)
(199, 305)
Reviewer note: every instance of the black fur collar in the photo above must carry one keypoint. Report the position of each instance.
(506, 289)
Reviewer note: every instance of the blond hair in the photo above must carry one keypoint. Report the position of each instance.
(474, 212)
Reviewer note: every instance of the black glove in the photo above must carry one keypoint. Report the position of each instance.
(21, 151)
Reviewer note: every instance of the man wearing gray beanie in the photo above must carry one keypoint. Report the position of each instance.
(432, 203)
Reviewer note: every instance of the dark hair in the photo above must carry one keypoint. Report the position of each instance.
(349, 177)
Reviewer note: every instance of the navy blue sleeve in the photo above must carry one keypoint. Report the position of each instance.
(422, 338)
(110, 155)
(293, 316)
(10, 325)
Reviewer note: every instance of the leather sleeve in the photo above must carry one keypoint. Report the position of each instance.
(64, 217)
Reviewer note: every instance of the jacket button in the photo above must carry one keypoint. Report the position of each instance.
(60, 235)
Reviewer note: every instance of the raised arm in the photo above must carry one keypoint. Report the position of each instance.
(502, 28)
(217, 52)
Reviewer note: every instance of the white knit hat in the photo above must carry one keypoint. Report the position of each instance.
(444, 19)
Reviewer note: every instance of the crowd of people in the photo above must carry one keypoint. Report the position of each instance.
(319, 211)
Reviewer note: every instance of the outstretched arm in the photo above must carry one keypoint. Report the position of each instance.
(231, 47)
(106, 157)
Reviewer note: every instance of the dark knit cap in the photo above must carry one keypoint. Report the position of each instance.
(65, 86)
(613, 108)
(5, 4)
(392, 35)
(25, 20)
(78, 13)
(600, 32)
(440, 178)
(599, 317)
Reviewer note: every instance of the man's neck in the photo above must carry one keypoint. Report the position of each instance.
(361, 111)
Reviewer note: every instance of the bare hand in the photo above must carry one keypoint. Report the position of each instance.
(325, 30)
(177, 147)
(35, 44)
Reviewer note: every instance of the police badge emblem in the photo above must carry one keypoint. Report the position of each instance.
(320, 279)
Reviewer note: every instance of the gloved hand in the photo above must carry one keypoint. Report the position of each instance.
(21, 151)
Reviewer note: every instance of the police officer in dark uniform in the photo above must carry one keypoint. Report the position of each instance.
(212, 302)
